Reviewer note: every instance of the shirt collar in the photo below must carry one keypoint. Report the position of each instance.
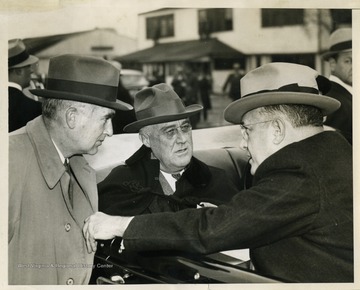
(341, 83)
(60, 154)
(15, 85)
(170, 179)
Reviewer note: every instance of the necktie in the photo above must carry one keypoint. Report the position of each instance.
(176, 176)
(71, 182)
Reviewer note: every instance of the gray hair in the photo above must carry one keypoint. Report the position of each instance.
(147, 130)
(51, 108)
(298, 115)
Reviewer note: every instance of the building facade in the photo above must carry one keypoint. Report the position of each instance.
(258, 35)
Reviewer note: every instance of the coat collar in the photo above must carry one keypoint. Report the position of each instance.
(49, 160)
(45, 151)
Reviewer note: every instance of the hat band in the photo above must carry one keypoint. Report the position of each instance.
(107, 93)
(16, 59)
(292, 88)
(171, 107)
(342, 46)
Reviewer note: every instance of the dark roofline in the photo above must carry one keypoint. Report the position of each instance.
(160, 9)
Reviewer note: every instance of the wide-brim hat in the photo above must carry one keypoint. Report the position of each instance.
(340, 41)
(281, 83)
(84, 79)
(159, 104)
(18, 56)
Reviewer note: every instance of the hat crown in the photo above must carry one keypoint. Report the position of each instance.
(15, 47)
(339, 36)
(18, 56)
(159, 104)
(275, 76)
(85, 69)
(160, 95)
(85, 79)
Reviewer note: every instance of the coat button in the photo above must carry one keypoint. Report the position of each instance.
(67, 227)
(70, 281)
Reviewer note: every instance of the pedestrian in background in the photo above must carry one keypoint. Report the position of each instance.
(205, 89)
(233, 82)
(339, 58)
(20, 67)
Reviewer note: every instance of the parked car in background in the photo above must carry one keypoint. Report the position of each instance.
(133, 80)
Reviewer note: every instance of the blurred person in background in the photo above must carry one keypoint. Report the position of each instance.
(179, 83)
(52, 188)
(205, 89)
(192, 92)
(339, 58)
(22, 109)
(233, 82)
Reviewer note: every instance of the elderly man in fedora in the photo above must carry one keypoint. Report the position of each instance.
(20, 67)
(52, 189)
(162, 175)
(339, 58)
(297, 218)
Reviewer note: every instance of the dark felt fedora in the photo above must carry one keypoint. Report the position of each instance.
(159, 104)
(18, 56)
(281, 83)
(340, 41)
(84, 79)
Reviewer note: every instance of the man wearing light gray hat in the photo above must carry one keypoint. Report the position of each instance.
(339, 57)
(297, 218)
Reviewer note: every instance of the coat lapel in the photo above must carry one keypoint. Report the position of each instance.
(53, 170)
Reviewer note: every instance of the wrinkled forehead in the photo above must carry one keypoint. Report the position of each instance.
(171, 124)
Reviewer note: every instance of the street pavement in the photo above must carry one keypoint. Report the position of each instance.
(216, 115)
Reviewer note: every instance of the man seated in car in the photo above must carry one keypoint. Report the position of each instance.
(297, 218)
(163, 175)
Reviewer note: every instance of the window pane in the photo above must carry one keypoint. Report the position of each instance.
(282, 17)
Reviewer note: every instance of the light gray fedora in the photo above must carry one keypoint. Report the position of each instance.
(281, 83)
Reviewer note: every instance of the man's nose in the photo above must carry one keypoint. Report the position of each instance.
(243, 144)
(108, 128)
(181, 136)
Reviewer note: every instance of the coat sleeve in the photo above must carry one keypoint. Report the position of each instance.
(269, 211)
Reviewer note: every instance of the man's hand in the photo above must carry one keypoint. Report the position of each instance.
(100, 226)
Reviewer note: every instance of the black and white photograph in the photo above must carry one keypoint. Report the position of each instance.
(169, 145)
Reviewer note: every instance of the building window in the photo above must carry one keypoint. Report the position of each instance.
(304, 59)
(160, 26)
(215, 20)
(281, 17)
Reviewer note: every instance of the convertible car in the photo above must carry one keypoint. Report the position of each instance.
(215, 146)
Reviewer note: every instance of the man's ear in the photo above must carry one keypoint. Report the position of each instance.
(279, 130)
(144, 138)
(70, 117)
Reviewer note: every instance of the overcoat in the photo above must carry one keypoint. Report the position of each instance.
(297, 218)
(341, 119)
(135, 188)
(46, 244)
(21, 109)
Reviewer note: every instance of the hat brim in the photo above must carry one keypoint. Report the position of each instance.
(236, 110)
(137, 125)
(118, 105)
(29, 61)
(329, 54)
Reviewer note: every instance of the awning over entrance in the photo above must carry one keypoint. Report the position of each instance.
(193, 50)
